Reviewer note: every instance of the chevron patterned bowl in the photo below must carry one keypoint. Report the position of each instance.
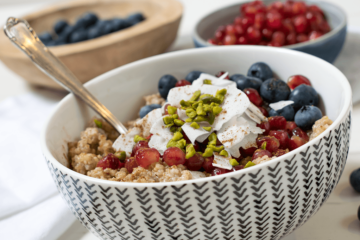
(267, 201)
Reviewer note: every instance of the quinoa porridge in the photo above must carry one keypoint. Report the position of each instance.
(209, 125)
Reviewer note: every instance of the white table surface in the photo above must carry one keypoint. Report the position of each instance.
(337, 218)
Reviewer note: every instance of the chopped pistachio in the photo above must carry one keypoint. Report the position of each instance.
(196, 104)
(233, 162)
(224, 153)
(120, 155)
(184, 103)
(212, 139)
(169, 125)
(249, 164)
(171, 143)
(178, 122)
(177, 136)
(220, 98)
(217, 110)
(190, 113)
(190, 151)
(173, 129)
(207, 81)
(208, 152)
(98, 123)
(205, 96)
(207, 108)
(194, 125)
(213, 104)
(137, 138)
(189, 120)
(200, 119)
(181, 143)
(195, 96)
(221, 92)
(171, 110)
(215, 148)
(207, 128)
(175, 116)
(200, 110)
(168, 120)
(211, 118)
(263, 145)
(210, 99)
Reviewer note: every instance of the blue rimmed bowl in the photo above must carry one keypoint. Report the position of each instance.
(266, 201)
(326, 47)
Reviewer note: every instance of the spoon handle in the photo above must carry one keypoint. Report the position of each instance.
(24, 37)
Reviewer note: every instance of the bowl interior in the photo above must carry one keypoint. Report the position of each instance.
(207, 26)
(122, 89)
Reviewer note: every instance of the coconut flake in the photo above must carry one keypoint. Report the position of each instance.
(247, 142)
(224, 75)
(125, 142)
(222, 162)
(254, 109)
(148, 121)
(181, 93)
(280, 105)
(197, 174)
(233, 132)
(217, 82)
(196, 134)
(161, 135)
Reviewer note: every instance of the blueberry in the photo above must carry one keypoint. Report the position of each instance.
(45, 37)
(304, 95)
(243, 82)
(359, 213)
(90, 19)
(148, 108)
(274, 90)
(166, 83)
(78, 36)
(193, 76)
(260, 70)
(94, 32)
(287, 112)
(355, 180)
(107, 27)
(306, 116)
(66, 33)
(135, 18)
(60, 26)
(119, 24)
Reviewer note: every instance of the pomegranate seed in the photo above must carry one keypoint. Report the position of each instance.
(238, 20)
(247, 22)
(253, 96)
(182, 83)
(239, 30)
(299, 8)
(276, 6)
(220, 33)
(277, 122)
(230, 29)
(267, 33)
(139, 145)
(291, 38)
(290, 126)
(219, 171)
(287, 26)
(315, 9)
(259, 21)
(174, 156)
(247, 152)
(195, 162)
(263, 111)
(253, 35)
(278, 38)
(310, 17)
(207, 164)
(130, 164)
(242, 41)
(197, 146)
(300, 24)
(297, 80)
(265, 126)
(302, 38)
(282, 136)
(300, 133)
(288, 9)
(314, 35)
(260, 153)
(110, 161)
(316, 24)
(324, 27)
(271, 143)
(229, 40)
(263, 43)
(219, 74)
(238, 167)
(250, 11)
(295, 142)
(273, 20)
(213, 41)
(280, 152)
(146, 156)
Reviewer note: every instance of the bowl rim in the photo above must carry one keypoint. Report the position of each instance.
(328, 35)
(340, 76)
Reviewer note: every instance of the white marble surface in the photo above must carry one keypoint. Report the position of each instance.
(337, 218)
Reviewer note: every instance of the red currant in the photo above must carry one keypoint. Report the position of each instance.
(146, 156)
(138, 146)
(269, 143)
(267, 33)
(242, 41)
(291, 38)
(130, 164)
(260, 153)
(253, 96)
(290, 126)
(195, 162)
(314, 35)
(110, 161)
(174, 156)
(295, 142)
(265, 126)
(300, 24)
(282, 136)
(277, 122)
(263, 111)
(300, 133)
(207, 164)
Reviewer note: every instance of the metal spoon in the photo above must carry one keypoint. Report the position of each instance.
(25, 38)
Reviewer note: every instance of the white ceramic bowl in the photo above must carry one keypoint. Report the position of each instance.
(266, 201)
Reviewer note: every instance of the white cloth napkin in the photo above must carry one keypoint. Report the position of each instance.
(30, 206)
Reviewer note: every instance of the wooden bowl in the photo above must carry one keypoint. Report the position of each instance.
(91, 58)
